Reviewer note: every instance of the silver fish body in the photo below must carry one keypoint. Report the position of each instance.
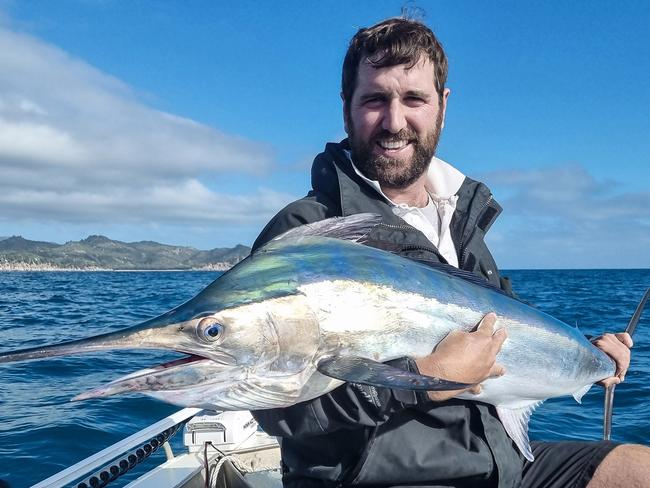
(259, 332)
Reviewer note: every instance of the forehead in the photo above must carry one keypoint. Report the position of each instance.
(399, 78)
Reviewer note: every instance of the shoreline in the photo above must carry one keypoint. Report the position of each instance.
(26, 267)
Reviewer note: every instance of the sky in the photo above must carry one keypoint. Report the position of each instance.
(194, 122)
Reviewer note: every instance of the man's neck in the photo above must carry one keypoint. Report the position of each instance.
(414, 195)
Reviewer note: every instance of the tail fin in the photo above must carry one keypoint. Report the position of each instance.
(609, 391)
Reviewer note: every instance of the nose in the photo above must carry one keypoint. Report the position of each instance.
(394, 117)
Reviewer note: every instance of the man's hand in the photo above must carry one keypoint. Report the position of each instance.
(466, 357)
(617, 347)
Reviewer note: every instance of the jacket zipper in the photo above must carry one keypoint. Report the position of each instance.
(395, 226)
(353, 476)
(416, 247)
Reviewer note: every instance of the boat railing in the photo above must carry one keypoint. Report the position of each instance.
(106, 456)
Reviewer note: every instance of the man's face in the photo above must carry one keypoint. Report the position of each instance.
(394, 122)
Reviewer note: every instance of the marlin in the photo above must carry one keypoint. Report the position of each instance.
(314, 308)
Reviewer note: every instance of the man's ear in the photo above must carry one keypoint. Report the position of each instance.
(346, 124)
(445, 97)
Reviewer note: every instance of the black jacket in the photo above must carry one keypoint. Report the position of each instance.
(358, 435)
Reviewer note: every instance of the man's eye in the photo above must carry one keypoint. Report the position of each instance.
(415, 101)
(372, 102)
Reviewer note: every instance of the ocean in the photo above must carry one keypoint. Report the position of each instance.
(41, 432)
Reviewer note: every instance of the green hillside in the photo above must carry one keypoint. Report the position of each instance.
(99, 252)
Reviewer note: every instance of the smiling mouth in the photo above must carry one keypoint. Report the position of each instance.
(392, 145)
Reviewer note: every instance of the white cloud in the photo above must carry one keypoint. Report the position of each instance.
(76, 145)
(189, 202)
(564, 217)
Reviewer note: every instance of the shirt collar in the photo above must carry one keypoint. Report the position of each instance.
(443, 180)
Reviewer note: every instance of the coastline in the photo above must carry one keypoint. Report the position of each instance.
(46, 267)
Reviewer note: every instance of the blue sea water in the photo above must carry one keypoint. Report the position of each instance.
(41, 432)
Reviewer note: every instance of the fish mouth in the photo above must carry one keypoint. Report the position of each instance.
(186, 373)
(171, 332)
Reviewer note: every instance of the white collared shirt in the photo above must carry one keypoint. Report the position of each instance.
(433, 220)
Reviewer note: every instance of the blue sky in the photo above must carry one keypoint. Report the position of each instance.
(193, 122)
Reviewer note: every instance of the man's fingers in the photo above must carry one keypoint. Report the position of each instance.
(616, 346)
(499, 337)
(486, 325)
(614, 380)
(497, 370)
(625, 338)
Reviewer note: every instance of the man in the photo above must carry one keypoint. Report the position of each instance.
(394, 103)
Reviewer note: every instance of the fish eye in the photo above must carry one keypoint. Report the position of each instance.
(210, 329)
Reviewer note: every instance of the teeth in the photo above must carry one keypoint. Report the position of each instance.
(392, 144)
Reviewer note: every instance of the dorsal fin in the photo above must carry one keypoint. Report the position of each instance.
(356, 227)
(351, 228)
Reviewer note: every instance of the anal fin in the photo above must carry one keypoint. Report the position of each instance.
(368, 372)
(515, 422)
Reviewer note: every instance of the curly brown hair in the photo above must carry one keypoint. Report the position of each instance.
(390, 43)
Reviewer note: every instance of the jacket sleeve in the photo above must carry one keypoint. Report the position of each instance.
(310, 209)
(350, 405)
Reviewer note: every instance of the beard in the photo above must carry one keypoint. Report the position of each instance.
(393, 172)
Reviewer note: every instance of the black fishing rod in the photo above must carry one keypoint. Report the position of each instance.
(609, 391)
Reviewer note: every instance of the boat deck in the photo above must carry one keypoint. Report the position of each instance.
(224, 450)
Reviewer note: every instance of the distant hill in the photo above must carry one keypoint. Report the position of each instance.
(100, 252)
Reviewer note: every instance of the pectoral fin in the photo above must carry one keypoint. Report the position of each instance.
(368, 372)
(515, 422)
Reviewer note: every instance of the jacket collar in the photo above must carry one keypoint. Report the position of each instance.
(334, 175)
